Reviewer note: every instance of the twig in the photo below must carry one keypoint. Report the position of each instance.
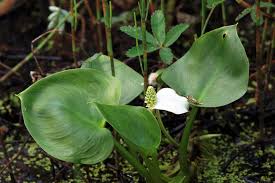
(92, 23)
(6, 156)
(247, 5)
(15, 156)
(259, 77)
(30, 55)
(27, 58)
(9, 68)
(269, 57)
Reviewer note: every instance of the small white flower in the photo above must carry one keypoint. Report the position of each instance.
(166, 99)
(152, 79)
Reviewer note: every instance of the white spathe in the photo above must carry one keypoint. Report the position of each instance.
(169, 100)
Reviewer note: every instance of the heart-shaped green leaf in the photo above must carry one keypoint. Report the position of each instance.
(60, 114)
(131, 81)
(135, 124)
(214, 71)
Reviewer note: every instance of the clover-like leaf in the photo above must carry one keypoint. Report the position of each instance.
(174, 33)
(133, 32)
(58, 17)
(60, 114)
(136, 51)
(214, 71)
(131, 81)
(166, 55)
(158, 26)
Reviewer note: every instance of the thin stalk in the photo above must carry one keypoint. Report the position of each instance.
(98, 27)
(269, 58)
(73, 29)
(224, 14)
(265, 25)
(162, 5)
(137, 46)
(203, 14)
(259, 74)
(207, 20)
(170, 8)
(107, 10)
(41, 45)
(183, 148)
(92, 24)
(131, 159)
(164, 131)
(143, 14)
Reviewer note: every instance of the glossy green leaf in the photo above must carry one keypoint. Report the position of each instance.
(131, 81)
(166, 55)
(214, 71)
(213, 3)
(134, 51)
(135, 124)
(158, 26)
(60, 114)
(174, 33)
(133, 31)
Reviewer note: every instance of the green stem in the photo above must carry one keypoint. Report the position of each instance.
(143, 13)
(153, 167)
(207, 20)
(224, 14)
(170, 8)
(145, 62)
(203, 14)
(183, 148)
(164, 131)
(73, 29)
(162, 5)
(98, 27)
(137, 46)
(107, 9)
(39, 47)
(131, 159)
